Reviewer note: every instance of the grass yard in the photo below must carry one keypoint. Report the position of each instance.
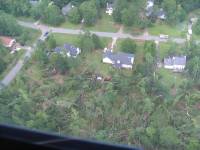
(177, 31)
(67, 24)
(139, 51)
(105, 24)
(65, 38)
(164, 48)
(133, 30)
(73, 39)
(33, 35)
(170, 78)
(93, 62)
(28, 19)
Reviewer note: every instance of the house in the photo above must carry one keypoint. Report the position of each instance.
(67, 8)
(175, 63)
(68, 50)
(118, 60)
(34, 2)
(71, 50)
(109, 8)
(149, 7)
(10, 43)
(161, 14)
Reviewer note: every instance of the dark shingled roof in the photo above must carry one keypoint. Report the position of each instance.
(177, 60)
(119, 58)
(71, 49)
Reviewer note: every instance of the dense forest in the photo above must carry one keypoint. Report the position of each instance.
(58, 94)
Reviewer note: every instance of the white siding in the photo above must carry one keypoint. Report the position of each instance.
(107, 60)
(127, 66)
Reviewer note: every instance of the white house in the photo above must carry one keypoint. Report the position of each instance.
(176, 63)
(109, 9)
(118, 60)
(149, 7)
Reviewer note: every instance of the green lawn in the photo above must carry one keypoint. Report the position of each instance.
(105, 24)
(65, 38)
(73, 39)
(164, 48)
(33, 35)
(93, 62)
(133, 30)
(67, 24)
(161, 28)
(170, 78)
(139, 51)
(28, 19)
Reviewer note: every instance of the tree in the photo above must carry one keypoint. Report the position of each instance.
(194, 144)
(181, 14)
(130, 16)
(74, 16)
(54, 19)
(41, 55)
(196, 27)
(150, 47)
(2, 65)
(51, 42)
(8, 25)
(128, 46)
(59, 63)
(86, 42)
(97, 41)
(169, 137)
(16, 8)
(193, 67)
(117, 13)
(89, 12)
(61, 3)
(170, 7)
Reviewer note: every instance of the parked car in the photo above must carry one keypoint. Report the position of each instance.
(163, 36)
(46, 34)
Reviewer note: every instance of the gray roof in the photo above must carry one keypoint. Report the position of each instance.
(119, 58)
(33, 2)
(161, 13)
(58, 49)
(73, 51)
(66, 9)
(177, 60)
(109, 5)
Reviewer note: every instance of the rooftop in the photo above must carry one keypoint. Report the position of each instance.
(176, 60)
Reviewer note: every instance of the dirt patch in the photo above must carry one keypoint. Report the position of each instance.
(30, 73)
(181, 105)
(58, 78)
(197, 106)
(117, 26)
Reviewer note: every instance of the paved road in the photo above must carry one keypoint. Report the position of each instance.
(12, 74)
(144, 37)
